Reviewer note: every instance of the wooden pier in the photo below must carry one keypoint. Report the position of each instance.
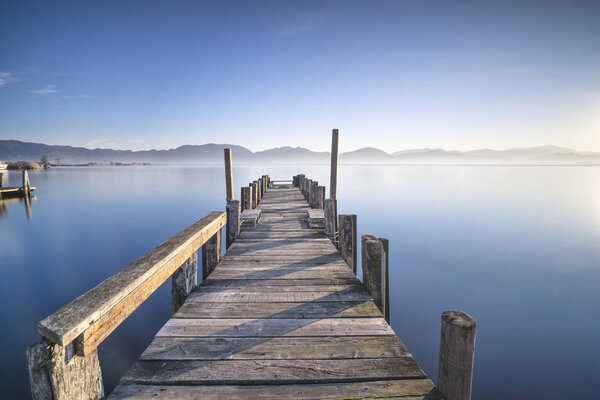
(15, 191)
(281, 315)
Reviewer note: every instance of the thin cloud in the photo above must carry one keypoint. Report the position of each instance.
(307, 25)
(45, 91)
(98, 143)
(6, 78)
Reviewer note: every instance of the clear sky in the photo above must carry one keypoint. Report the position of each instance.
(388, 74)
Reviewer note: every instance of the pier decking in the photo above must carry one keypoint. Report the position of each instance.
(282, 316)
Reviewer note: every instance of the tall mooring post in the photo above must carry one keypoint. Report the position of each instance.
(330, 205)
(233, 206)
(375, 271)
(457, 352)
(26, 184)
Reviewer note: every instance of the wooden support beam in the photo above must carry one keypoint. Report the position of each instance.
(211, 254)
(331, 219)
(246, 198)
(375, 271)
(334, 160)
(457, 352)
(228, 174)
(319, 197)
(183, 281)
(307, 190)
(56, 373)
(348, 239)
(233, 221)
(265, 179)
(26, 184)
(2, 179)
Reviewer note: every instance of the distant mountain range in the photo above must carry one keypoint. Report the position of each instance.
(15, 150)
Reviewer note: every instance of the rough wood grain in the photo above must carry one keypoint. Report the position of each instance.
(114, 299)
(278, 348)
(457, 351)
(313, 309)
(410, 389)
(246, 197)
(270, 372)
(183, 281)
(51, 378)
(375, 271)
(271, 327)
(331, 218)
(348, 240)
(233, 222)
(211, 254)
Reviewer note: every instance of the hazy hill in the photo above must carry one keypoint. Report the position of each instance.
(14, 150)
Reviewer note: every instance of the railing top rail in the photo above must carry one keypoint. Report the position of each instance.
(93, 316)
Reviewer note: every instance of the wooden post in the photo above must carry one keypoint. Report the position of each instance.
(330, 218)
(308, 186)
(313, 194)
(233, 221)
(211, 254)
(457, 351)
(319, 197)
(265, 183)
(57, 373)
(26, 184)
(246, 198)
(295, 181)
(2, 177)
(375, 271)
(183, 281)
(348, 239)
(254, 187)
(228, 174)
(257, 187)
(335, 135)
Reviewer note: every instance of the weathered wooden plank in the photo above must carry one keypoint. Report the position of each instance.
(104, 307)
(269, 372)
(313, 309)
(279, 348)
(288, 297)
(267, 327)
(256, 285)
(412, 389)
(280, 274)
(274, 282)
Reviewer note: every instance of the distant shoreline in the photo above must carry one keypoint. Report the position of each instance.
(96, 164)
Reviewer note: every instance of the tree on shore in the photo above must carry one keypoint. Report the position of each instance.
(44, 161)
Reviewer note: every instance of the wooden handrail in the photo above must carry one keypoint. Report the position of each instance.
(90, 318)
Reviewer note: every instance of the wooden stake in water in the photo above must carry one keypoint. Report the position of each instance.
(228, 174)
(334, 160)
(457, 351)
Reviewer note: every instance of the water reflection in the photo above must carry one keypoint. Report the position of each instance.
(5, 203)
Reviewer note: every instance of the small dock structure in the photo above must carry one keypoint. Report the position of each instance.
(7, 192)
(280, 315)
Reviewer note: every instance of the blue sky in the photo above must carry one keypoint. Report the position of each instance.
(388, 74)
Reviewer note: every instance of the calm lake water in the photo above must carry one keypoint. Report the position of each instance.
(516, 247)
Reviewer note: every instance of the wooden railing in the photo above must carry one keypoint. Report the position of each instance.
(80, 326)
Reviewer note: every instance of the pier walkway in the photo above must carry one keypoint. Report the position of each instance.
(281, 316)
